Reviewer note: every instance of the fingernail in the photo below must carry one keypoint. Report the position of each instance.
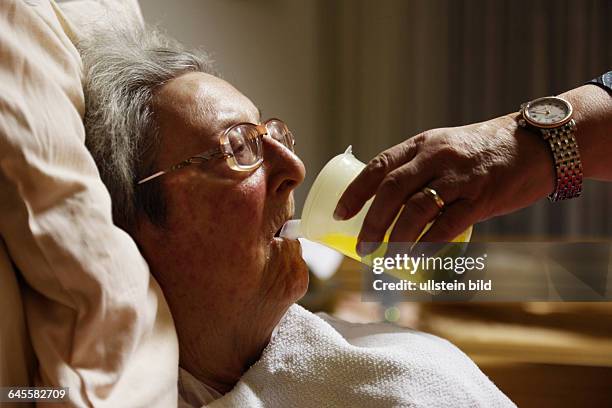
(365, 248)
(339, 213)
(361, 249)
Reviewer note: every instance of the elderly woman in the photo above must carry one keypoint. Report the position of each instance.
(202, 183)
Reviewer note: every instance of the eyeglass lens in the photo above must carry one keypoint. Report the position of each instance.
(279, 131)
(247, 146)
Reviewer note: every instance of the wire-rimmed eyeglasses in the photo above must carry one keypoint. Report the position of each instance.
(240, 145)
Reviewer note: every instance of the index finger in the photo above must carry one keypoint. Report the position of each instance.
(364, 186)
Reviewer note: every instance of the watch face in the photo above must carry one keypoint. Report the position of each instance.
(548, 112)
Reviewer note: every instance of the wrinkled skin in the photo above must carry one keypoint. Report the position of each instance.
(227, 280)
(480, 170)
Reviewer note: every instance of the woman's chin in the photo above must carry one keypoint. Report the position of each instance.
(287, 270)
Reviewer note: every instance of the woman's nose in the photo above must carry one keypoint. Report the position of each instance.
(285, 169)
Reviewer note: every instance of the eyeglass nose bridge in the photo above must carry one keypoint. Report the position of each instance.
(262, 131)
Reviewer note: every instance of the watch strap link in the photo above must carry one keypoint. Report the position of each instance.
(566, 159)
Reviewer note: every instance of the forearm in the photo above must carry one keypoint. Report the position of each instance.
(593, 115)
(480, 171)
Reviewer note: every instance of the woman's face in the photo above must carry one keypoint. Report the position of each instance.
(216, 256)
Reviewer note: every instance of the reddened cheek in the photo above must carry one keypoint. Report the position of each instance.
(254, 181)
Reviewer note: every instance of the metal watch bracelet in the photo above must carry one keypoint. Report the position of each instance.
(566, 159)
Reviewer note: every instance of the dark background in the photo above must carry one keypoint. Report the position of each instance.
(372, 73)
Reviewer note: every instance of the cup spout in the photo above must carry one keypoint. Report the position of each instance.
(291, 230)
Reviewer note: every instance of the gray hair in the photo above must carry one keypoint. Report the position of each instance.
(122, 71)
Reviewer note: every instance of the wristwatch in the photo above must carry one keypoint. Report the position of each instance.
(551, 116)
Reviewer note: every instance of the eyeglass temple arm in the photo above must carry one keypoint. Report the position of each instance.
(203, 157)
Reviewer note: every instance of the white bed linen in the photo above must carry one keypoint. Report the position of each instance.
(319, 361)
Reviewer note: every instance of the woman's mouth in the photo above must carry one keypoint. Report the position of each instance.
(280, 221)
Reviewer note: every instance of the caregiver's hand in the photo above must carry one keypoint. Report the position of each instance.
(480, 171)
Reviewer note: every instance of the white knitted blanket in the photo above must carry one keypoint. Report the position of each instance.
(312, 362)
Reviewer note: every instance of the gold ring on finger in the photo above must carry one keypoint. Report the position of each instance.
(430, 192)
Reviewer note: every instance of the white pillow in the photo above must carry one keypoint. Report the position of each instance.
(84, 17)
(97, 320)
